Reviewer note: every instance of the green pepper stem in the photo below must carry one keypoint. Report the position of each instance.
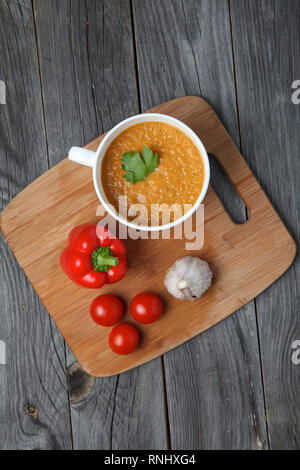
(103, 259)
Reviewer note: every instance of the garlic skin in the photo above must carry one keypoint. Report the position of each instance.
(188, 278)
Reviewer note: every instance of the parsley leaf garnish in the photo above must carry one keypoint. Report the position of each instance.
(137, 167)
(150, 159)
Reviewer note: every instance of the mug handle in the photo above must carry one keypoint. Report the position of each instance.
(82, 156)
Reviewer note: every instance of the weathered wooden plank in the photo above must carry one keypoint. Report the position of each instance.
(214, 388)
(89, 84)
(266, 46)
(34, 406)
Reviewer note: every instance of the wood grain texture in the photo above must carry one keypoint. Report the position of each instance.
(266, 45)
(238, 277)
(185, 47)
(34, 374)
(89, 84)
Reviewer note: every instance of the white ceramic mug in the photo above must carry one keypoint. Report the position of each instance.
(94, 160)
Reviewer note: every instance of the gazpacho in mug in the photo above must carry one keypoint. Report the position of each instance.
(175, 173)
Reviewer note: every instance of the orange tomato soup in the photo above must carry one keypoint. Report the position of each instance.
(177, 180)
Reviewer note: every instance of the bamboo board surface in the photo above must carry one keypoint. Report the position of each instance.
(245, 258)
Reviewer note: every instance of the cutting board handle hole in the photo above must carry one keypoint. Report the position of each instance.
(226, 192)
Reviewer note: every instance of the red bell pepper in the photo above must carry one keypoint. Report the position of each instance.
(93, 256)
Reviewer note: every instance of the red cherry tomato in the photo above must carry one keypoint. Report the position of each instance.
(123, 338)
(106, 310)
(146, 308)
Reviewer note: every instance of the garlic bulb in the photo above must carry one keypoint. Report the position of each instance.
(188, 278)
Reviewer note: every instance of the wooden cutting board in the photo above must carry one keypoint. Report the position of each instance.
(245, 258)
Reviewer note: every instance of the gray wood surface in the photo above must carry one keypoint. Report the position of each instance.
(34, 374)
(266, 44)
(75, 68)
